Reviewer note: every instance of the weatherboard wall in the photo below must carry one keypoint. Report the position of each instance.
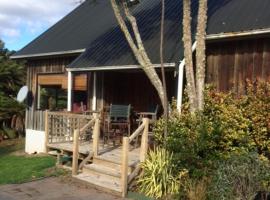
(231, 63)
(38, 67)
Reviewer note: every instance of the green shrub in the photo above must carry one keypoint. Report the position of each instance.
(239, 177)
(230, 126)
(158, 180)
(256, 108)
(197, 140)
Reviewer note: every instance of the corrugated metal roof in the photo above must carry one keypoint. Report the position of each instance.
(111, 48)
(238, 15)
(94, 27)
(75, 31)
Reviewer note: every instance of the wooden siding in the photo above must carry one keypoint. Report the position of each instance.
(133, 88)
(37, 67)
(231, 63)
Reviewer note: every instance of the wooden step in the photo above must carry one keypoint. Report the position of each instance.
(115, 156)
(102, 169)
(113, 164)
(100, 182)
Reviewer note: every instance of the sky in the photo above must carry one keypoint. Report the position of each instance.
(21, 21)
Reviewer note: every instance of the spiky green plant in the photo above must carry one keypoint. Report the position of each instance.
(158, 180)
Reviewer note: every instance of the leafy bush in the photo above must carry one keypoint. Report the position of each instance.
(240, 177)
(195, 189)
(158, 180)
(256, 108)
(12, 77)
(229, 128)
(197, 140)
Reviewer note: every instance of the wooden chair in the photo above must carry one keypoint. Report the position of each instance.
(151, 114)
(118, 120)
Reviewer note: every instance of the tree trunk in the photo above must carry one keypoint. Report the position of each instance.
(200, 52)
(138, 48)
(191, 88)
(166, 109)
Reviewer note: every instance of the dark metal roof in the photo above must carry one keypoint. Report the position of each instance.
(93, 26)
(238, 15)
(75, 31)
(111, 48)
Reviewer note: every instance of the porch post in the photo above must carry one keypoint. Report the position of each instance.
(94, 98)
(180, 85)
(69, 103)
(181, 80)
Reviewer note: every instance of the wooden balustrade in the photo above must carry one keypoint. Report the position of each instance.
(60, 126)
(124, 168)
(96, 135)
(75, 152)
(125, 179)
(77, 134)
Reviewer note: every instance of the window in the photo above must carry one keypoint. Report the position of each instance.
(52, 97)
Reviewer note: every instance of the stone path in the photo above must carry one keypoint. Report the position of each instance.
(52, 189)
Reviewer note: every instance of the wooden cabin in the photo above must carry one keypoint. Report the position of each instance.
(83, 63)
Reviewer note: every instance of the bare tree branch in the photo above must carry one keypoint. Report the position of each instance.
(138, 49)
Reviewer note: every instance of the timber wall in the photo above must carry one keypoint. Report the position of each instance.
(37, 67)
(231, 63)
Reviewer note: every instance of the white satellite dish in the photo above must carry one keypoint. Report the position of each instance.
(22, 94)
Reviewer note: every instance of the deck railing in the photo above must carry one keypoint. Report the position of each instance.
(60, 126)
(93, 123)
(125, 178)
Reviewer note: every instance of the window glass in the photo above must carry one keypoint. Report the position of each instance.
(53, 98)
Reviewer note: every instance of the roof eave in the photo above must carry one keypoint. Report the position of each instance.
(254, 32)
(48, 54)
(106, 68)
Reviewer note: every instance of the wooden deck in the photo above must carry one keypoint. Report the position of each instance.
(85, 148)
(107, 165)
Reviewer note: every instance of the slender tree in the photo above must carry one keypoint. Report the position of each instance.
(187, 41)
(137, 47)
(161, 49)
(200, 52)
(195, 87)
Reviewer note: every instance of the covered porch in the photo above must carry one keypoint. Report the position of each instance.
(101, 88)
(77, 137)
(118, 86)
(74, 124)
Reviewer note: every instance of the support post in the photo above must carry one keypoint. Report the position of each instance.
(46, 131)
(181, 80)
(124, 167)
(94, 98)
(144, 143)
(180, 85)
(69, 103)
(96, 134)
(75, 153)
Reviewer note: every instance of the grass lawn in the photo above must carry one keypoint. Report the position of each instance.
(17, 167)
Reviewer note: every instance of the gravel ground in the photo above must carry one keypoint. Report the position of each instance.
(52, 189)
